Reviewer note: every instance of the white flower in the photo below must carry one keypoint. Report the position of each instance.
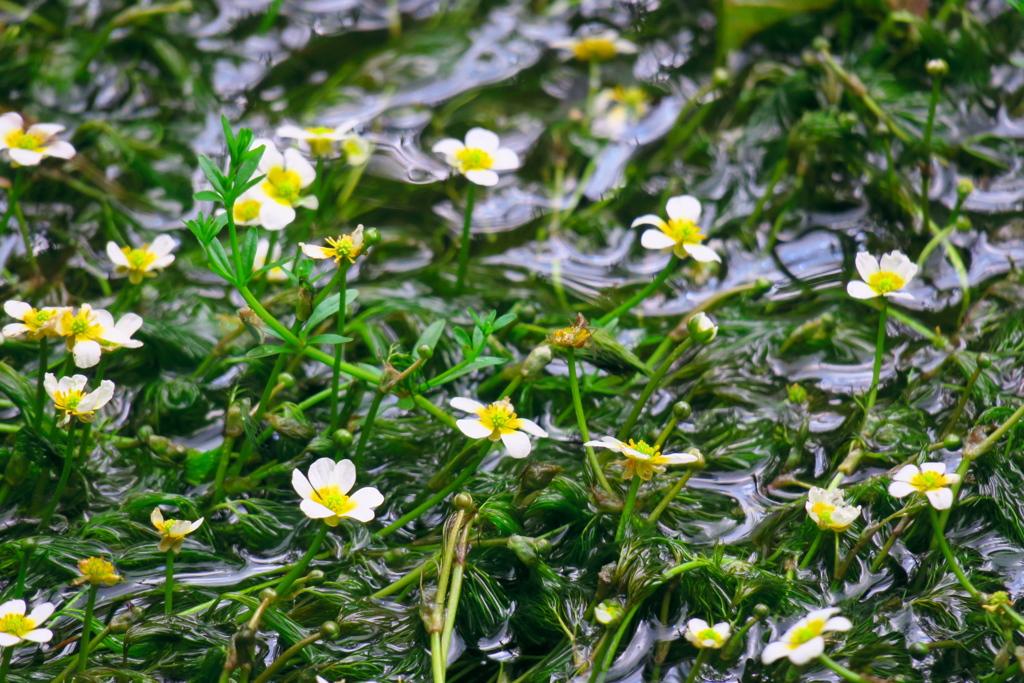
(704, 636)
(274, 274)
(357, 149)
(16, 626)
(479, 158)
(931, 480)
(29, 147)
(35, 323)
(643, 459)
(680, 233)
(346, 247)
(595, 46)
(140, 263)
(286, 176)
(803, 641)
(318, 140)
(89, 332)
(882, 279)
(702, 328)
(324, 492)
(608, 612)
(618, 109)
(829, 511)
(173, 531)
(69, 397)
(497, 421)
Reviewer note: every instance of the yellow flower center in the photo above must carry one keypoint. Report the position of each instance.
(35, 319)
(344, 247)
(824, 511)
(22, 140)
(641, 446)
(809, 631)
(283, 186)
(683, 231)
(98, 570)
(16, 624)
(68, 401)
(589, 49)
(82, 327)
(928, 481)
(334, 500)
(139, 259)
(634, 98)
(471, 159)
(885, 281)
(247, 210)
(709, 634)
(354, 146)
(319, 130)
(498, 417)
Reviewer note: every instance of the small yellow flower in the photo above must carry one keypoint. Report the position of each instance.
(140, 263)
(498, 421)
(577, 335)
(931, 480)
(96, 570)
(318, 141)
(803, 642)
(325, 492)
(69, 397)
(347, 247)
(286, 177)
(642, 459)
(90, 332)
(608, 612)
(173, 531)
(35, 323)
(595, 46)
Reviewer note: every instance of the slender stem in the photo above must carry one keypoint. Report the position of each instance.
(841, 670)
(339, 349)
(609, 654)
(883, 552)
(641, 295)
(5, 662)
(965, 395)
(351, 181)
(458, 570)
(926, 170)
(879, 350)
(44, 348)
(14, 198)
(651, 387)
(285, 656)
(65, 474)
(684, 567)
(222, 466)
(937, 239)
(83, 644)
(697, 664)
(300, 568)
(669, 497)
(364, 437)
(812, 550)
(467, 473)
(437, 665)
(409, 578)
(581, 420)
(950, 559)
(627, 509)
(593, 85)
(19, 584)
(993, 438)
(467, 224)
(169, 584)
(512, 386)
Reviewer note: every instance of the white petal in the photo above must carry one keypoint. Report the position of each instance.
(907, 271)
(162, 246)
(129, 324)
(39, 635)
(289, 131)
(677, 459)
(685, 207)
(275, 215)
(102, 316)
(51, 386)
(474, 429)
(860, 290)
(14, 330)
(309, 202)
(624, 47)
(942, 499)
(650, 219)
(13, 606)
(45, 130)
(7, 640)
(313, 251)
(116, 255)
(41, 612)
(901, 489)
(939, 467)
(11, 120)
(517, 443)
(25, 157)
(486, 178)
(530, 427)
(87, 354)
(892, 261)
(17, 309)
(504, 160)
(481, 138)
(301, 484)
(367, 497)
(344, 475)
(697, 625)
(701, 253)
(837, 624)
(59, 149)
(656, 239)
(867, 265)
(448, 147)
(907, 473)
(196, 524)
(362, 514)
(294, 161)
(898, 295)
(952, 478)
(271, 157)
(812, 649)
(774, 651)
(467, 405)
(315, 510)
(320, 473)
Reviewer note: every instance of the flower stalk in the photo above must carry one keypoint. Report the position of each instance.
(581, 420)
(702, 657)
(467, 224)
(627, 509)
(65, 474)
(300, 567)
(169, 583)
(83, 645)
(339, 348)
(883, 317)
(637, 298)
(652, 386)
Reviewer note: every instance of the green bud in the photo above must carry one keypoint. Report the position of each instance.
(395, 554)
(268, 595)
(463, 501)
(761, 611)
(29, 545)
(952, 442)
(525, 549)
(286, 379)
(342, 438)
(536, 476)
(159, 444)
(233, 421)
(881, 131)
(937, 68)
(820, 44)
(796, 394)
(702, 328)
(608, 612)
(528, 313)
(537, 360)
(424, 352)
(720, 77)
(329, 630)
(315, 578)
(290, 421)
(145, 433)
(761, 285)
(371, 237)
(681, 410)
(120, 624)
(918, 650)
(304, 302)
(984, 361)
(963, 224)
(964, 188)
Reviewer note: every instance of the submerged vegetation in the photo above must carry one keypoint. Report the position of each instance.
(512, 342)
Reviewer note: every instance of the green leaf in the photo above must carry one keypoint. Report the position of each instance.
(610, 355)
(503, 321)
(18, 389)
(741, 19)
(213, 174)
(271, 266)
(481, 362)
(219, 262)
(329, 307)
(207, 196)
(267, 350)
(229, 135)
(200, 465)
(248, 166)
(329, 339)
(249, 246)
(431, 335)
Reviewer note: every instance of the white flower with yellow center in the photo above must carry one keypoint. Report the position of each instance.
(618, 109)
(882, 279)
(479, 158)
(36, 323)
(140, 263)
(173, 531)
(357, 149)
(287, 175)
(642, 459)
(29, 147)
(346, 247)
(608, 612)
(276, 274)
(16, 626)
(325, 492)
(595, 46)
(680, 232)
(704, 636)
(89, 332)
(69, 397)
(931, 480)
(829, 510)
(497, 421)
(317, 141)
(803, 641)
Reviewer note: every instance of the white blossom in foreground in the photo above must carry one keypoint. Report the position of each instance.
(325, 492)
(16, 626)
(829, 510)
(347, 247)
(931, 480)
(479, 158)
(140, 263)
(88, 332)
(804, 641)
(36, 323)
(882, 279)
(29, 147)
(498, 421)
(680, 233)
(704, 636)
(70, 399)
(642, 459)
(287, 175)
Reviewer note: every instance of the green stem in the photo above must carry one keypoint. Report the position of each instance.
(697, 664)
(351, 181)
(458, 570)
(5, 663)
(937, 239)
(651, 387)
(439, 480)
(609, 654)
(222, 467)
(961, 403)
(812, 550)
(44, 348)
(993, 438)
(581, 420)
(169, 583)
(83, 645)
(437, 665)
(926, 170)
(65, 474)
(685, 567)
(627, 509)
(879, 350)
(641, 295)
(841, 670)
(593, 85)
(285, 656)
(464, 245)
(401, 583)
(300, 568)
(940, 539)
(15, 199)
(669, 497)
(339, 349)
(364, 437)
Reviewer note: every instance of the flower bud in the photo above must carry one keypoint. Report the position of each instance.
(881, 131)
(159, 444)
(145, 433)
(537, 361)
(535, 477)
(937, 68)
(720, 77)
(286, 379)
(964, 188)
(761, 611)
(681, 410)
(329, 630)
(576, 336)
(463, 501)
(268, 595)
(919, 650)
(342, 438)
(304, 301)
(820, 44)
(608, 612)
(232, 421)
(796, 394)
(424, 352)
(315, 578)
(963, 224)
(120, 624)
(371, 237)
(952, 442)
(702, 328)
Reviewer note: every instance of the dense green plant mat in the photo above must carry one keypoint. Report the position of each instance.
(810, 131)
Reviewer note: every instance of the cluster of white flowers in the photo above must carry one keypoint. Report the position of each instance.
(88, 332)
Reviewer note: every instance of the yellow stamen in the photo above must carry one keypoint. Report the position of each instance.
(589, 49)
(334, 500)
(928, 481)
(885, 281)
(283, 186)
(22, 140)
(471, 159)
(683, 231)
(16, 624)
